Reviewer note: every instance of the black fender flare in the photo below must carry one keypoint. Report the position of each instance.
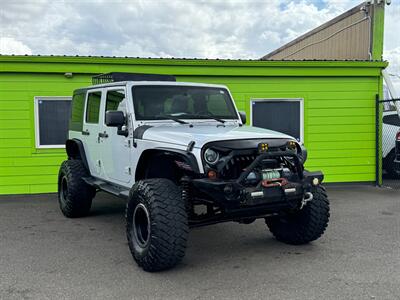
(185, 156)
(75, 150)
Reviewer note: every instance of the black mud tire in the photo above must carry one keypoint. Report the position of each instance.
(156, 224)
(74, 195)
(303, 226)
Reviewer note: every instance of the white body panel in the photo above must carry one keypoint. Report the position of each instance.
(204, 132)
(388, 135)
(116, 149)
(92, 143)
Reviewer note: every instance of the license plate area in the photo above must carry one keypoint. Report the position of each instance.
(265, 195)
(274, 194)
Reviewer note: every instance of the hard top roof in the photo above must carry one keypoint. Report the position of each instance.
(158, 83)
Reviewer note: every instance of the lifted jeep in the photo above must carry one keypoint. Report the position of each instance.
(182, 157)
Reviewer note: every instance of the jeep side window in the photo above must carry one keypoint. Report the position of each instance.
(78, 107)
(114, 99)
(93, 107)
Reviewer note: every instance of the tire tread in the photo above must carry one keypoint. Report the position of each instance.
(307, 224)
(169, 224)
(80, 194)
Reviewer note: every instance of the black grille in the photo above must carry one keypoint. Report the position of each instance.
(236, 166)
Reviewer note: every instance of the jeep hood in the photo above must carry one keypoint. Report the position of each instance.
(202, 134)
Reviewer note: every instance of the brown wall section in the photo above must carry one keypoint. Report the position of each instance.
(347, 36)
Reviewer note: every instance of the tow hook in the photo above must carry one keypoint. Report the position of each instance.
(307, 198)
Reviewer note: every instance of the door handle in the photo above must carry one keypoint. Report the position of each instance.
(103, 134)
(86, 132)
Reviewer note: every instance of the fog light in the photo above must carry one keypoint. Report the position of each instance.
(315, 181)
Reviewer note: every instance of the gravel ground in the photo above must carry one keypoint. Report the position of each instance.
(46, 256)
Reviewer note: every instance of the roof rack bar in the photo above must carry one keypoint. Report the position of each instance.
(120, 76)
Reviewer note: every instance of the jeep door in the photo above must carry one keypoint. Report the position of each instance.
(116, 148)
(91, 128)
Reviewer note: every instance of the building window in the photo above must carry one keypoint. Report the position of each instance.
(283, 115)
(51, 121)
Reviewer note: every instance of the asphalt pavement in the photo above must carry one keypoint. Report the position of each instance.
(44, 255)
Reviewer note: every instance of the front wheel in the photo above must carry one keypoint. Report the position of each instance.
(305, 225)
(156, 224)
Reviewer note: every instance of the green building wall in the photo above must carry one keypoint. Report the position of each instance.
(339, 107)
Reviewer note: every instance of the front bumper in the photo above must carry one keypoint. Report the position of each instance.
(232, 194)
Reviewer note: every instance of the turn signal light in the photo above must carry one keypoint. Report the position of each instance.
(212, 174)
(291, 145)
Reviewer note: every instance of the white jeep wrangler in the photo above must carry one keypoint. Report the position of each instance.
(182, 157)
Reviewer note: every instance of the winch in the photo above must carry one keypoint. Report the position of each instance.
(269, 174)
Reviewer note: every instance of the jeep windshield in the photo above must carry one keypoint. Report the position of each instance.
(160, 102)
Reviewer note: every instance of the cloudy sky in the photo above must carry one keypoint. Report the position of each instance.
(178, 28)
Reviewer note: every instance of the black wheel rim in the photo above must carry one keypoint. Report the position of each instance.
(141, 225)
(63, 191)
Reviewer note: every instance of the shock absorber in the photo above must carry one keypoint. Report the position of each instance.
(187, 195)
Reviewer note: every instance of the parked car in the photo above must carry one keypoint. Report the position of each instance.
(182, 157)
(390, 126)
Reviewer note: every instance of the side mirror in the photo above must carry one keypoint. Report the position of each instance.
(242, 115)
(115, 118)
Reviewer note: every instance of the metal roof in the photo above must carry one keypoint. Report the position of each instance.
(181, 58)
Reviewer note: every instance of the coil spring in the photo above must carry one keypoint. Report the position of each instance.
(186, 196)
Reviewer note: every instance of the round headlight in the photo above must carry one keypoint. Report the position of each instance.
(211, 156)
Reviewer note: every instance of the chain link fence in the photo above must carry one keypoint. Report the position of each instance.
(390, 125)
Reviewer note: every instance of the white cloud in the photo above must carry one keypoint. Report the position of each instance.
(393, 56)
(12, 46)
(204, 28)
(392, 18)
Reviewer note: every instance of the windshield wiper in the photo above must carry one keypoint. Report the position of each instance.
(207, 117)
(169, 117)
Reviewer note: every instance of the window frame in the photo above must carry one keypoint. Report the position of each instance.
(101, 91)
(111, 89)
(36, 100)
(300, 100)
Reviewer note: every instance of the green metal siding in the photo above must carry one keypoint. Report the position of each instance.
(339, 108)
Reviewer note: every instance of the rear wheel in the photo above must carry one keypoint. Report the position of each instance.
(74, 195)
(157, 224)
(305, 225)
